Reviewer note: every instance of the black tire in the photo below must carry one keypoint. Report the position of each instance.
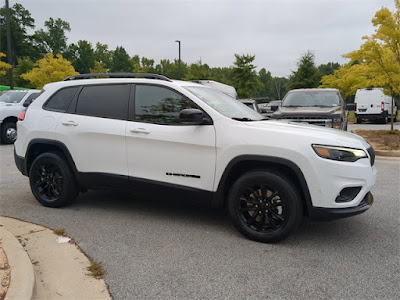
(8, 132)
(264, 206)
(52, 181)
(384, 120)
(358, 120)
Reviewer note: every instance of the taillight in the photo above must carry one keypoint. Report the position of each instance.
(21, 115)
(383, 106)
(355, 106)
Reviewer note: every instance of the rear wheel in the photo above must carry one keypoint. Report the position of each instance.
(264, 206)
(8, 133)
(384, 120)
(358, 120)
(52, 181)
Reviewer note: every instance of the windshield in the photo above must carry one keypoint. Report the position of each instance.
(224, 104)
(307, 99)
(12, 97)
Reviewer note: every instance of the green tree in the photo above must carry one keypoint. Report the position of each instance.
(81, 55)
(266, 88)
(54, 39)
(306, 75)
(120, 61)
(49, 69)
(171, 69)
(245, 76)
(198, 71)
(20, 22)
(328, 69)
(24, 65)
(103, 55)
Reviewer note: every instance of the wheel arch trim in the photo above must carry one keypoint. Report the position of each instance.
(218, 199)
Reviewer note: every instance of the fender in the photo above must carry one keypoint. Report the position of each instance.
(219, 196)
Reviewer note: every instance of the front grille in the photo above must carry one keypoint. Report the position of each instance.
(320, 121)
(371, 153)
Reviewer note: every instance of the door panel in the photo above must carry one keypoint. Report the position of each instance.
(183, 155)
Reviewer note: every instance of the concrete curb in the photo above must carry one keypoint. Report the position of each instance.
(390, 153)
(22, 282)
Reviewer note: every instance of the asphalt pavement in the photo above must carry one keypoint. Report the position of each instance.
(152, 248)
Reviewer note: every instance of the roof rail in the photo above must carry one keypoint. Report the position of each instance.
(117, 75)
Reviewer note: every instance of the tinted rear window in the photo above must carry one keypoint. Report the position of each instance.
(106, 101)
(61, 99)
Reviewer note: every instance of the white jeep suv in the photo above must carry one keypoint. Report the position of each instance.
(150, 134)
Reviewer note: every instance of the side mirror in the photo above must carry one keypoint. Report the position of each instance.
(274, 108)
(191, 116)
(350, 106)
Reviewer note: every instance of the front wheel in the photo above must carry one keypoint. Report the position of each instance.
(264, 206)
(52, 181)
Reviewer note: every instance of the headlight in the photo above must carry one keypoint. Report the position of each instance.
(336, 123)
(339, 153)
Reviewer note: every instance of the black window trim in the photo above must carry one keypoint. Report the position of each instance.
(132, 101)
(74, 103)
(44, 106)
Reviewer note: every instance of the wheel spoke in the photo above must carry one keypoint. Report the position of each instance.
(261, 223)
(244, 209)
(274, 194)
(271, 221)
(253, 218)
(280, 217)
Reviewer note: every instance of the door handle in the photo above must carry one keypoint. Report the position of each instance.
(140, 130)
(69, 123)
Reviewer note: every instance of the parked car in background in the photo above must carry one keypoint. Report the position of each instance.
(373, 104)
(251, 103)
(322, 107)
(11, 104)
(270, 108)
(226, 89)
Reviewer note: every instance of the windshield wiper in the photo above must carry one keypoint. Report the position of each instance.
(242, 119)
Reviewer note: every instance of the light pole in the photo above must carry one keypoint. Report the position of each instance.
(179, 43)
(9, 54)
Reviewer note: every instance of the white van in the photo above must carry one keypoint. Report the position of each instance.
(226, 89)
(372, 103)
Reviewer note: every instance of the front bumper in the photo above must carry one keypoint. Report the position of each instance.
(20, 162)
(328, 214)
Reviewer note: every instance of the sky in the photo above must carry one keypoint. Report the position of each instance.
(277, 32)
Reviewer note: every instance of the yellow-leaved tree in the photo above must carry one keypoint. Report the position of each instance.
(3, 66)
(49, 69)
(377, 62)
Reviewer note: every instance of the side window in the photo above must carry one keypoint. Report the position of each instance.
(61, 99)
(159, 105)
(106, 101)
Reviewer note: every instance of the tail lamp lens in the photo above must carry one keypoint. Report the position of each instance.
(21, 115)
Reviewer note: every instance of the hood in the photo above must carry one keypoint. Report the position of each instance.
(315, 134)
(305, 111)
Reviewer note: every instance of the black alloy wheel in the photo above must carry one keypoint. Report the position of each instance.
(52, 182)
(264, 206)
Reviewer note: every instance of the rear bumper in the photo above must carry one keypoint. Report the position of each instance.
(328, 214)
(20, 163)
(382, 115)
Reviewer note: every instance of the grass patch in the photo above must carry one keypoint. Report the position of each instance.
(59, 231)
(96, 269)
(381, 139)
